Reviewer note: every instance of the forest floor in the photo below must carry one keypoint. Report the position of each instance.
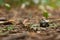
(19, 33)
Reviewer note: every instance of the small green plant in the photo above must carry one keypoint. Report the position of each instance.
(7, 6)
(10, 27)
(46, 15)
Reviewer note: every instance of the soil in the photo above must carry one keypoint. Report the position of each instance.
(34, 16)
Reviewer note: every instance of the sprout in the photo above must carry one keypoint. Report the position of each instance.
(7, 6)
(45, 14)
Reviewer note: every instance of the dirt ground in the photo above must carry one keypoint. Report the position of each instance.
(21, 34)
(35, 15)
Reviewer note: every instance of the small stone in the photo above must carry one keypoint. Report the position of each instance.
(38, 31)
